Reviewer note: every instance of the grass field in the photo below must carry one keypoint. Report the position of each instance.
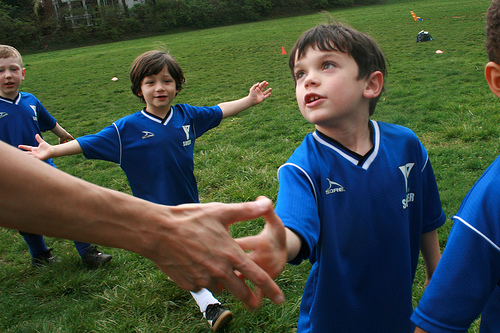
(442, 97)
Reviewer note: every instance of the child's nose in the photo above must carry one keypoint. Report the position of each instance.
(160, 86)
(311, 79)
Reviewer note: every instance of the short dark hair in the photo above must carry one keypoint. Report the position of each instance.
(337, 37)
(151, 63)
(493, 31)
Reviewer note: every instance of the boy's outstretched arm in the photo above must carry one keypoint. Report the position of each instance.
(257, 94)
(62, 134)
(431, 253)
(45, 151)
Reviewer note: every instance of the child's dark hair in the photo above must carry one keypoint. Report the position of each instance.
(336, 37)
(493, 31)
(151, 63)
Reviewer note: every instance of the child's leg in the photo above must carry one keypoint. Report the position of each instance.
(91, 257)
(36, 243)
(216, 315)
(204, 298)
(81, 247)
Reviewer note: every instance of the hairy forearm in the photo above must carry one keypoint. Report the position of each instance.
(190, 243)
(38, 198)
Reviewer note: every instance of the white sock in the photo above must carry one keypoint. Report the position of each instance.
(204, 298)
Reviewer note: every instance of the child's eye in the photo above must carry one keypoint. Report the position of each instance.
(299, 74)
(328, 65)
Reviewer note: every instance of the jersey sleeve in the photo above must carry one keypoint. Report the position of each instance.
(434, 216)
(462, 283)
(204, 118)
(467, 277)
(45, 120)
(105, 145)
(297, 208)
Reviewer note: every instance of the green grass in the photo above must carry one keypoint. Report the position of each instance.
(442, 97)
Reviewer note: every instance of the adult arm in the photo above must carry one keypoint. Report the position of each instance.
(190, 243)
(256, 95)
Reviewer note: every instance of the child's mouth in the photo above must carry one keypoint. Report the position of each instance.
(311, 98)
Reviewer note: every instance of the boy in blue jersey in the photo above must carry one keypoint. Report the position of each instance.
(358, 197)
(21, 117)
(467, 280)
(155, 146)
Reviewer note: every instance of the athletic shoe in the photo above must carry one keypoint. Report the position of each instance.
(93, 258)
(218, 316)
(45, 258)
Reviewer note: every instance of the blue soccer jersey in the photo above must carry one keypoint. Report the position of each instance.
(155, 154)
(360, 221)
(466, 281)
(22, 118)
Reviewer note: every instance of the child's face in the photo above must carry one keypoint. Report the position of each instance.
(11, 76)
(328, 90)
(158, 91)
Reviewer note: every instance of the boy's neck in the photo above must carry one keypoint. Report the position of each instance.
(357, 138)
(158, 112)
(161, 115)
(11, 97)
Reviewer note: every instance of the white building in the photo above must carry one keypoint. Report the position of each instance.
(79, 12)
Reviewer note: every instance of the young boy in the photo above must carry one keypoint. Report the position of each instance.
(155, 146)
(358, 197)
(467, 280)
(21, 117)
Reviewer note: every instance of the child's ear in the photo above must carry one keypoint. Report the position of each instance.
(23, 74)
(374, 85)
(492, 74)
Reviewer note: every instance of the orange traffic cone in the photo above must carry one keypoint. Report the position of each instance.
(283, 50)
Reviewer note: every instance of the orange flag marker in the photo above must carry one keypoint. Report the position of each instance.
(283, 50)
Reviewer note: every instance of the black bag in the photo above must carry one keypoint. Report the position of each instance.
(424, 36)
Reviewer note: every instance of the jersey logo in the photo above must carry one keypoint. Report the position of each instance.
(147, 135)
(3, 114)
(410, 197)
(334, 187)
(35, 117)
(186, 130)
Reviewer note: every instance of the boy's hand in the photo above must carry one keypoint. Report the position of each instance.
(258, 93)
(66, 138)
(42, 152)
(268, 248)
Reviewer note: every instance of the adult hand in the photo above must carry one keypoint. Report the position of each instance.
(268, 248)
(205, 255)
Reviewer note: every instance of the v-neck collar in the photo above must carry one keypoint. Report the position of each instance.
(353, 157)
(157, 119)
